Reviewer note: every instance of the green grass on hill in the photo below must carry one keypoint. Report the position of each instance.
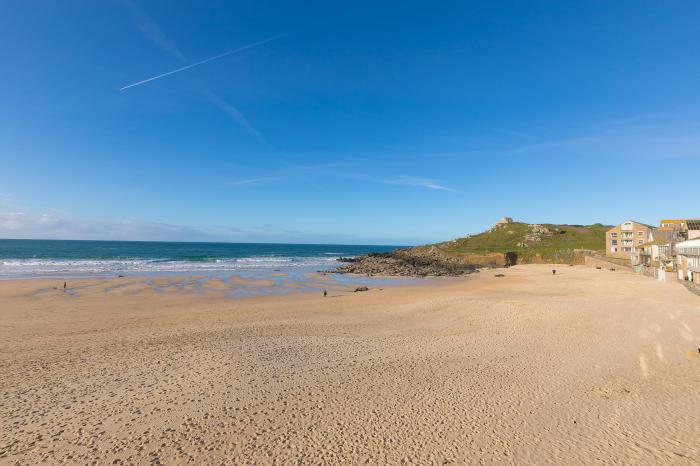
(510, 238)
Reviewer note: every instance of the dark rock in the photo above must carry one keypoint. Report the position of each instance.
(414, 262)
(499, 275)
(361, 288)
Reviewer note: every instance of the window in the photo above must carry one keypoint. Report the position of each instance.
(613, 235)
(640, 233)
(641, 241)
(614, 242)
(627, 235)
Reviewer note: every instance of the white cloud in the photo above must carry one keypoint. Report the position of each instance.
(48, 219)
(50, 225)
(54, 225)
(12, 221)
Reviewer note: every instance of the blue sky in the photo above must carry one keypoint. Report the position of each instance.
(359, 122)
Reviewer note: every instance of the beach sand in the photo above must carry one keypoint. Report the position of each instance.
(584, 367)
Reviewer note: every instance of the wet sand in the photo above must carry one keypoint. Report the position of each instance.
(585, 367)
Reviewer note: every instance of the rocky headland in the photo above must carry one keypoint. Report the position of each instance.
(507, 243)
(412, 262)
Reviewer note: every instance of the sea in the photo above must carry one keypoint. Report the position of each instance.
(20, 258)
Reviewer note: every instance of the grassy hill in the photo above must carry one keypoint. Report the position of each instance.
(528, 242)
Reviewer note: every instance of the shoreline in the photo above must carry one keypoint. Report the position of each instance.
(230, 285)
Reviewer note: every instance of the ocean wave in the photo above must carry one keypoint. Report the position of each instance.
(48, 267)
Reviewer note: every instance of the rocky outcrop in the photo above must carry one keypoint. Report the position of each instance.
(414, 262)
(536, 234)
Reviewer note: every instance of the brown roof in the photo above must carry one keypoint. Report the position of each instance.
(633, 221)
(661, 236)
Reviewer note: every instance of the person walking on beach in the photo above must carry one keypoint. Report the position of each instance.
(325, 293)
(554, 271)
(64, 285)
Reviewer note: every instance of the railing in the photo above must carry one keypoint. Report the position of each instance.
(688, 250)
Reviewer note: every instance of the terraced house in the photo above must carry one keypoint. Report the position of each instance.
(620, 240)
(667, 249)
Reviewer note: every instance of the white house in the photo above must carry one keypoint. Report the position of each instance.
(688, 260)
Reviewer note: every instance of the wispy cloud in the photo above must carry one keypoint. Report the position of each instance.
(413, 181)
(653, 137)
(11, 221)
(311, 172)
(152, 31)
(161, 40)
(201, 62)
(254, 180)
(231, 111)
(53, 225)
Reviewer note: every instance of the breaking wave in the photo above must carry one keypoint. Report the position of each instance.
(10, 268)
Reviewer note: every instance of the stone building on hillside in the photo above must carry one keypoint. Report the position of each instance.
(504, 221)
(620, 240)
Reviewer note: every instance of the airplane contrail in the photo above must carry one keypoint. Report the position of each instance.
(230, 52)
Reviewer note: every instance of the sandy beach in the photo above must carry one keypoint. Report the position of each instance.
(584, 367)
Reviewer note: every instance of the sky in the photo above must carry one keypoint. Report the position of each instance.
(343, 122)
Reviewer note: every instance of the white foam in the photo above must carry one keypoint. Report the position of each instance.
(10, 268)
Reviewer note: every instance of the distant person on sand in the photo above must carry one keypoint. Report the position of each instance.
(64, 285)
(554, 271)
(325, 293)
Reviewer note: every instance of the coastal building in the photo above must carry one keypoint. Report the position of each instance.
(693, 225)
(688, 261)
(657, 256)
(622, 239)
(677, 223)
(654, 256)
(685, 228)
